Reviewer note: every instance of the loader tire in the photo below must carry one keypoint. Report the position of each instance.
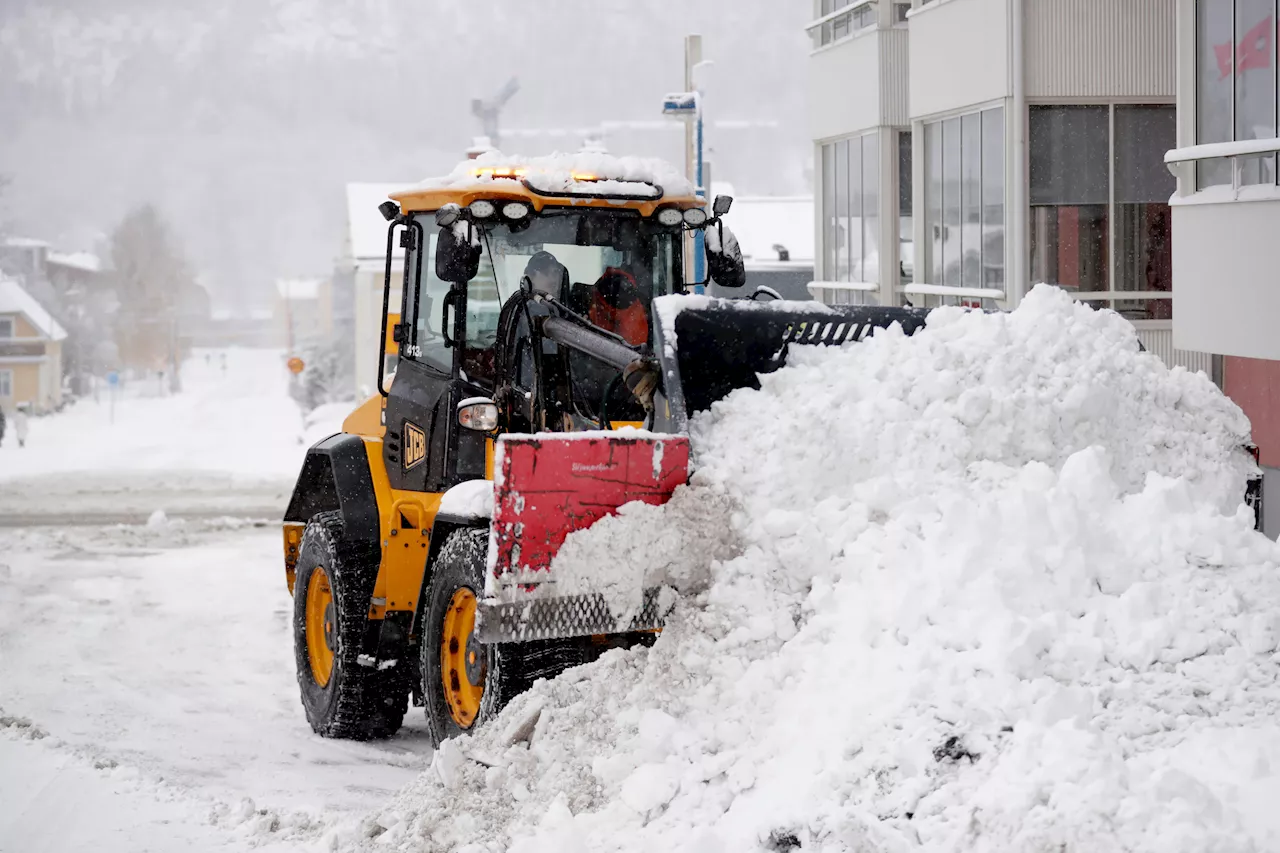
(466, 683)
(330, 609)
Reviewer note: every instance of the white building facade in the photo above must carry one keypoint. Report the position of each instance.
(1226, 213)
(968, 149)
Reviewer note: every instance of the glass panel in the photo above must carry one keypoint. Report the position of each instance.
(1069, 246)
(933, 201)
(830, 229)
(1143, 187)
(1068, 153)
(900, 11)
(855, 210)
(1215, 44)
(951, 223)
(1143, 135)
(870, 208)
(842, 211)
(906, 246)
(993, 198)
(970, 231)
(1255, 84)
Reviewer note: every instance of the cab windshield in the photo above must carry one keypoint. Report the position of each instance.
(607, 265)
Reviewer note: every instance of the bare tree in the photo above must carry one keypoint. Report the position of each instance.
(150, 277)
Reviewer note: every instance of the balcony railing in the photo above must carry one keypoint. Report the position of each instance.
(1182, 161)
(853, 17)
(842, 292)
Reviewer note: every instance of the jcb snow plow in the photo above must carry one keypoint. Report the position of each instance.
(542, 309)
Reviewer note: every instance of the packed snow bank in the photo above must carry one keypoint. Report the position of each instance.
(996, 591)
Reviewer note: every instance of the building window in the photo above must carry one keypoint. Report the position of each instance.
(6, 384)
(964, 200)
(859, 15)
(851, 209)
(6, 327)
(1236, 84)
(900, 10)
(1099, 201)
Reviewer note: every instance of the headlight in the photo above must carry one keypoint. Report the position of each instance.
(695, 216)
(515, 210)
(482, 209)
(670, 216)
(478, 413)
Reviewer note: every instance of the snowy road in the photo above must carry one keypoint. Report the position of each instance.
(164, 654)
(147, 691)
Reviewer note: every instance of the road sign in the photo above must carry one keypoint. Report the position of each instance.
(113, 379)
(682, 104)
(296, 365)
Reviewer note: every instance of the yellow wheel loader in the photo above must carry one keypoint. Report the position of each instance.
(549, 358)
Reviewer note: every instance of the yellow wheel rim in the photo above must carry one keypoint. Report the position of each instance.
(462, 663)
(321, 626)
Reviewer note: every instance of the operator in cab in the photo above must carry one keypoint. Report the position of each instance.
(616, 306)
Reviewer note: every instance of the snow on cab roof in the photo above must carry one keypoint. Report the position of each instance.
(584, 172)
(14, 299)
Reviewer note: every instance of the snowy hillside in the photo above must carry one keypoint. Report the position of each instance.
(995, 590)
(218, 113)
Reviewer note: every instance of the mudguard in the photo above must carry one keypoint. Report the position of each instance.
(335, 476)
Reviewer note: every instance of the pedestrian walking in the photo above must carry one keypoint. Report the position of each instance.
(21, 424)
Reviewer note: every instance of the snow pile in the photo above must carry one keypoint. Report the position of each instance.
(584, 172)
(996, 591)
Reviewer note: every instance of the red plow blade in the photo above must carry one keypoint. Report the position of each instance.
(547, 486)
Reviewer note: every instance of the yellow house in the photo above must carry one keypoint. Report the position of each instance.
(30, 351)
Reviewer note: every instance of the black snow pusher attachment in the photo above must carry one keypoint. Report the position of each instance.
(549, 485)
(710, 347)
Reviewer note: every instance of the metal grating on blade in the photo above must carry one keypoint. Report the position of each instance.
(565, 616)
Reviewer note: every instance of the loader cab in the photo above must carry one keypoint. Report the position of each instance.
(470, 338)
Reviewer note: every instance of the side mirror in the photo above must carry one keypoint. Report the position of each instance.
(724, 257)
(457, 253)
(721, 205)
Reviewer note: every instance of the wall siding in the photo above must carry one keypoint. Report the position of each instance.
(895, 77)
(844, 88)
(1100, 48)
(959, 55)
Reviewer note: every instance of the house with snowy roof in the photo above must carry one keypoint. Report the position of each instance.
(30, 351)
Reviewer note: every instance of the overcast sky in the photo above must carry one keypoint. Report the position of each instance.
(243, 119)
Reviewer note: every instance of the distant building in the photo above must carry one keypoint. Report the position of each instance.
(302, 311)
(30, 351)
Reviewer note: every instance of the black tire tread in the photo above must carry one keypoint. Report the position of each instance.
(370, 704)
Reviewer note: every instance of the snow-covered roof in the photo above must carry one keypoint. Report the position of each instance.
(86, 261)
(298, 288)
(25, 243)
(14, 299)
(761, 222)
(366, 228)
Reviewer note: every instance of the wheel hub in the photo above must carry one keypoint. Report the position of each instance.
(321, 626)
(462, 663)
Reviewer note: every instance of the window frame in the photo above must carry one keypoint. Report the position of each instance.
(13, 328)
(1235, 163)
(939, 128)
(1113, 206)
(6, 382)
(839, 262)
